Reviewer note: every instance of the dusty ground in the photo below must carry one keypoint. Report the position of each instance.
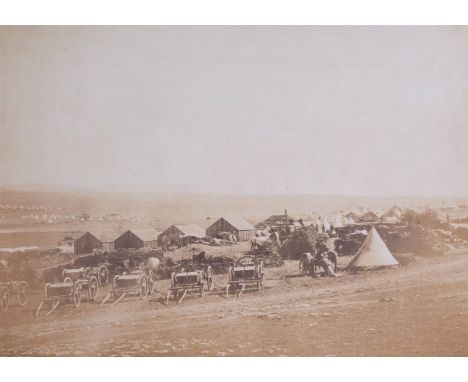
(419, 309)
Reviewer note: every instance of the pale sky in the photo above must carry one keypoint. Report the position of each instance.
(378, 111)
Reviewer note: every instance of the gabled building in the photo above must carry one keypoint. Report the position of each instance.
(181, 234)
(280, 222)
(149, 237)
(128, 240)
(369, 217)
(86, 243)
(241, 228)
(354, 215)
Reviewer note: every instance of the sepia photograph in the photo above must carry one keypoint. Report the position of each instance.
(233, 191)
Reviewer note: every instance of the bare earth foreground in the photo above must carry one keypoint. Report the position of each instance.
(419, 309)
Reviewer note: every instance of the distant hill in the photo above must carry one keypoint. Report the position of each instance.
(195, 208)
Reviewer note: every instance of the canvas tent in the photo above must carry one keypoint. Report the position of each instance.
(372, 254)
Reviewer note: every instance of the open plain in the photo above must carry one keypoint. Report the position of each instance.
(419, 309)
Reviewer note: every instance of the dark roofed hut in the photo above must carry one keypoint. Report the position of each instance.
(128, 240)
(243, 230)
(86, 243)
(182, 234)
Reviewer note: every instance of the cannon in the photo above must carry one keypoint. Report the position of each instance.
(184, 281)
(56, 293)
(246, 271)
(18, 288)
(137, 283)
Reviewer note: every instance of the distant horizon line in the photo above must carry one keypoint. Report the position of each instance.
(36, 187)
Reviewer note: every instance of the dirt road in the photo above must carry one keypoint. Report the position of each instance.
(419, 309)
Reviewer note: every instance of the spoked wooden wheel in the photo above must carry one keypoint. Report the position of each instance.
(103, 275)
(92, 288)
(4, 299)
(143, 286)
(22, 293)
(76, 295)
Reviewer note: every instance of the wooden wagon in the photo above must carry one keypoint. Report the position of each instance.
(137, 283)
(190, 281)
(246, 272)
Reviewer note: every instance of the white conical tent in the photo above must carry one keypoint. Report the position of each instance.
(373, 253)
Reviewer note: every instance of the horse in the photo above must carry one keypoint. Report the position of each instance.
(257, 242)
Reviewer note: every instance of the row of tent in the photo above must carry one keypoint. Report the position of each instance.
(357, 215)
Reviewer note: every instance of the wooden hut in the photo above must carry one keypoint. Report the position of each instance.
(149, 237)
(128, 240)
(240, 227)
(86, 243)
(181, 234)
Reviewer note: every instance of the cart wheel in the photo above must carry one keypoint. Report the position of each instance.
(88, 272)
(143, 286)
(103, 275)
(22, 293)
(92, 288)
(76, 295)
(150, 281)
(4, 299)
